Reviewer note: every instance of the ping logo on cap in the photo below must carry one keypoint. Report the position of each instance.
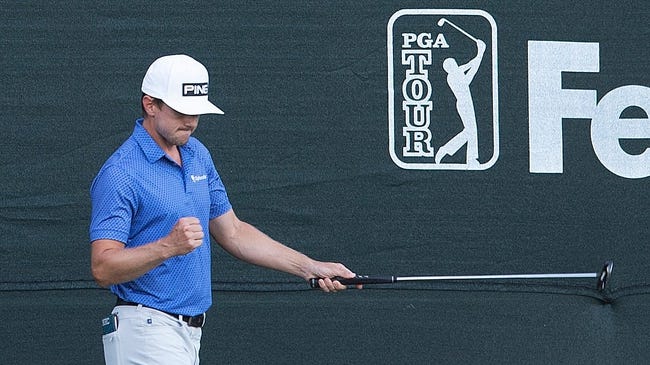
(200, 89)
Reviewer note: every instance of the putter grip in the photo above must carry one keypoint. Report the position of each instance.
(359, 279)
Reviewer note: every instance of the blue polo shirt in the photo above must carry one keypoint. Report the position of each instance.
(138, 196)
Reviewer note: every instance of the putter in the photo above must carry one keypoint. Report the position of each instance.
(602, 276)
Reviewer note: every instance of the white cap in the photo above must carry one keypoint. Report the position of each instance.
(182, 83)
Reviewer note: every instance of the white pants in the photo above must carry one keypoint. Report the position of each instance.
(147, 336)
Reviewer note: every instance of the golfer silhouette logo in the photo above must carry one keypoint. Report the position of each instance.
(442, 89)
(459, 78)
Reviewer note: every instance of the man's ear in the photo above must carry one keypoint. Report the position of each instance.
(149, 105)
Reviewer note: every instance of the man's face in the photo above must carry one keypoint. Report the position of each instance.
(173, 127)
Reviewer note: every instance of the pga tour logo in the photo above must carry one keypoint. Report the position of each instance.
(442, 89)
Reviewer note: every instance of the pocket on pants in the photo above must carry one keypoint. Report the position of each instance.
(112, 351)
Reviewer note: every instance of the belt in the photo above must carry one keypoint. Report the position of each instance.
(192, 321)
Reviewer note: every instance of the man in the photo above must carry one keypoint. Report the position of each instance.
(459, 78)
(155, 204)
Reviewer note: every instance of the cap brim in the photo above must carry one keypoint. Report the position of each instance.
(196, 106)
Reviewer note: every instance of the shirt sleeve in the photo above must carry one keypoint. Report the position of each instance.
(219, 202)
(113, 202)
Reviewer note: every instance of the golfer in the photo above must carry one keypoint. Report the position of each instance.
(459, 79)
(155, 204)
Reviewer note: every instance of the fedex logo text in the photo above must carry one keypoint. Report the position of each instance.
(549, 103)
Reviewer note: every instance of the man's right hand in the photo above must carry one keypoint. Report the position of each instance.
(186, 235)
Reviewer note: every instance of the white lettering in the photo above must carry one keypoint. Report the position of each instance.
(197, 178)
(408, 39)
(549, 104)
(441, 42)
(195, 89)
(417, 105)
(424, 40)
(607, 128)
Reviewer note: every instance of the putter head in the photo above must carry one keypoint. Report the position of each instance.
(604, 275)
(441, 22)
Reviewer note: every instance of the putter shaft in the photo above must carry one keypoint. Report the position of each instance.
(488, 277)
(603, 277)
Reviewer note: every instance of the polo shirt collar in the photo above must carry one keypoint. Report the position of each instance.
(151, 150)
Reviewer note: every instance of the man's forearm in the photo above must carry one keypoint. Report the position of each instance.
(112, 263)
(253, 246)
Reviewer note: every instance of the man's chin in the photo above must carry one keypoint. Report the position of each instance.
(182, 139)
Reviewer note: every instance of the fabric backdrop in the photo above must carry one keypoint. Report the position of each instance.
(322, 147)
